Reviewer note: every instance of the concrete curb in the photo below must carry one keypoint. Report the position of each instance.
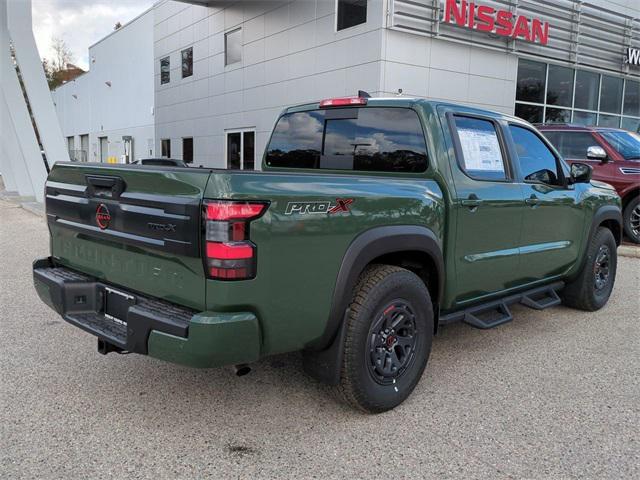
(36, 208)
(27, 203)
(629, 251)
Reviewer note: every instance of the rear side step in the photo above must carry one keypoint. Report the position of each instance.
(496, 312)
(488, 316)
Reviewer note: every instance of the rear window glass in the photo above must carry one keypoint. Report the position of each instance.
(378, 140)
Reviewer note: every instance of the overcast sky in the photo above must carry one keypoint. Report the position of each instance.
(80, 23)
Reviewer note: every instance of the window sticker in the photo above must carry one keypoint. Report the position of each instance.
(481, 150)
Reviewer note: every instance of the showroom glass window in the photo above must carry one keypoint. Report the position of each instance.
(548, 93)
(187, 62)
(165, 70)
(631, 106)
(233, 47)
(351, 13)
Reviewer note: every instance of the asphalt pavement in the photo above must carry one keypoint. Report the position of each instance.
(553, 394)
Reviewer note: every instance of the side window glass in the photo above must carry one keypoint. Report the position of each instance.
(571, 145)
(379, 140)
(576, 145)
(296, 141)
(537, 163)
(389, 140)
(482, 157)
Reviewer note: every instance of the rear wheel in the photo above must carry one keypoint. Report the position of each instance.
(631, 220)
(388, 339)
(592, 288)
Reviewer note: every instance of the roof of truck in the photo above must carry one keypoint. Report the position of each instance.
(405, 102)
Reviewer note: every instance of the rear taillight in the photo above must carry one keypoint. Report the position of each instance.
(228, 251)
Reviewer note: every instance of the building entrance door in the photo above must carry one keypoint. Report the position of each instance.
(104, 149)
(240, 149)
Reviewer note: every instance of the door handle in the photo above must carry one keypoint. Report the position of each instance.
(104, 186)
(532, 200)
(472, 202)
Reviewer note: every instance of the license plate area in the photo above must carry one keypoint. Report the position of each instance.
(116, 305)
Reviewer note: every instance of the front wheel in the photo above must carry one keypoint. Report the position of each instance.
(631, 220)
(592, 288)
(388, 339)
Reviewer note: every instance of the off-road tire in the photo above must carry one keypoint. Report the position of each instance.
(582, 292)
(634, 204)
(378, 287)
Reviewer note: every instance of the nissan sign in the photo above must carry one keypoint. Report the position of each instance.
(499, 22)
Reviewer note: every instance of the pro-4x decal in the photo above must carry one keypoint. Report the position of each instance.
(303, 208)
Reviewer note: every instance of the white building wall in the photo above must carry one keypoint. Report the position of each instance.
(292, 53)
(442, 70)
(115, 97)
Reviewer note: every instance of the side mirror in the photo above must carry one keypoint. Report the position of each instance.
(596, 152)
(581, 172)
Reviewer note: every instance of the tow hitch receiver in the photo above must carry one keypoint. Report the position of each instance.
(106, 347)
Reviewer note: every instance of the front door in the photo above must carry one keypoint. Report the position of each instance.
(552, 220)
(488, 207)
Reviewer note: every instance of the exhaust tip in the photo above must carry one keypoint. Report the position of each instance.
(241, 370)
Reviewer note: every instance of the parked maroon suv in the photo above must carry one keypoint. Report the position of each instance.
(615, 157)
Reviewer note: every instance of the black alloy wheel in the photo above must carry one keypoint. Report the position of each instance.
(392, 342)
(601, 267)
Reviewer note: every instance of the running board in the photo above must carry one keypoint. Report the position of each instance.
(488, 316)
(496, 312)
(541, 300)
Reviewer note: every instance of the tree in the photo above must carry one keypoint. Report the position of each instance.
(55, 68)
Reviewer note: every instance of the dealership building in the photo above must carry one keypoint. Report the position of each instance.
(204, 81)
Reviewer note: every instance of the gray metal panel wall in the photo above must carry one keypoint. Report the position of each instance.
(580, 33)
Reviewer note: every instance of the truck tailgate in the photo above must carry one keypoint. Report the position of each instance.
(133, 226)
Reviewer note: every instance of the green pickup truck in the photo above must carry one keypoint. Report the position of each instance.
(373, 222)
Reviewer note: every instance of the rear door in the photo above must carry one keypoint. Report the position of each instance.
(488, 205)
(137, 227)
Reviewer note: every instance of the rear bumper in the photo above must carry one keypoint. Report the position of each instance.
(148, 325)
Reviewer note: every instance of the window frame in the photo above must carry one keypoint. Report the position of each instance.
(561, 165)
(457, 146)
(241, 131)
(162, 140)
(190, 71)
(192, 149)
(168, 59)
(226, 46)
(366, 17)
